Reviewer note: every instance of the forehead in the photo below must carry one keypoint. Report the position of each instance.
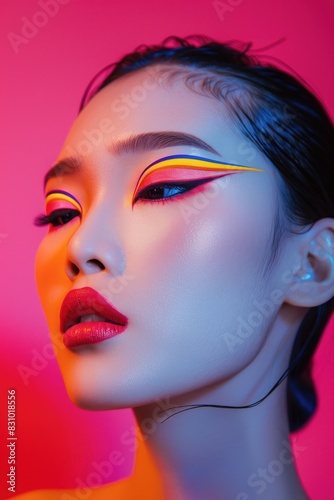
(145, 103)
(149, 100)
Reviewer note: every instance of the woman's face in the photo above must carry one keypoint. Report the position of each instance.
(183, 263)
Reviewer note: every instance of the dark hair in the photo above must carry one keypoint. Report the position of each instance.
(288, 124)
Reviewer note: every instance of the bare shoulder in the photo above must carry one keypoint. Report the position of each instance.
(115, 491)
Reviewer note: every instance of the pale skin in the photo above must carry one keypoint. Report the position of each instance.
(190, 267)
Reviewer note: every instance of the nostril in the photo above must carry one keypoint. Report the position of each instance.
(88, 267)
(74, 270)
(96, 264)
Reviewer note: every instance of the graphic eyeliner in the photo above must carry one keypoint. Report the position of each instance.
(60, 195)
(185, 162)
(61, 207)
(192, 162)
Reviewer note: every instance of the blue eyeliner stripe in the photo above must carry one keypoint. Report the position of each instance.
(192, 157)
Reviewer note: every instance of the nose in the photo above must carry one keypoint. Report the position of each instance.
(95, 248)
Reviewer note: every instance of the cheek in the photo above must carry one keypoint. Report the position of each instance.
(198, 238)
(192, 282)
(197, 275)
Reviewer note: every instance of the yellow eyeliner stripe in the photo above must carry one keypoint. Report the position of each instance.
(196, 164)
(58, 196)
(188, 162)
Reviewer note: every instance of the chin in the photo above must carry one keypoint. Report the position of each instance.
(94, 397)
(89, 402)
(86, 400)
(98, 396)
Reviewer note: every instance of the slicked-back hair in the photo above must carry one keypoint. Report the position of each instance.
(286, 122)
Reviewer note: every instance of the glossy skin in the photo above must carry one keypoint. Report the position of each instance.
(186, 271)
(175, 273)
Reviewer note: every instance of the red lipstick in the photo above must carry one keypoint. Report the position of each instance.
(87, 318)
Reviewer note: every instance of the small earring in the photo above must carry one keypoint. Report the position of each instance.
(305, 271)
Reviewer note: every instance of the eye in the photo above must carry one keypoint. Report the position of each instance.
(56, 218)
(60, 207)
(162, 191)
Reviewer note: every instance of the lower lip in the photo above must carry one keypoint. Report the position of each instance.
(91, 333)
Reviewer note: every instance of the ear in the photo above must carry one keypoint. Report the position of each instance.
(312, 283)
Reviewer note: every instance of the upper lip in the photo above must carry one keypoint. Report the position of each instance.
(85, 301)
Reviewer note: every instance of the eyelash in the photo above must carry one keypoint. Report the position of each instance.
(184, 187)
(56, 218)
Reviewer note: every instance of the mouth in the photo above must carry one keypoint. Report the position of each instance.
(88, 318)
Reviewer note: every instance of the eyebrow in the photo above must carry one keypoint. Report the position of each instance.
(148, 141)
(67, 166)
(158, 140)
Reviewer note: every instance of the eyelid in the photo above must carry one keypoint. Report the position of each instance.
(183, 168)
(175, 176)
(195, 162)
(55, 200)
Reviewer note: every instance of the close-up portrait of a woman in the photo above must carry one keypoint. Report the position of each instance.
(185, 271)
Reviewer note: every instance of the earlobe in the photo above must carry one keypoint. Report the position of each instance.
(312, 283)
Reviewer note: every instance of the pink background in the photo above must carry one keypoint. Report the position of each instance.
(45, 78)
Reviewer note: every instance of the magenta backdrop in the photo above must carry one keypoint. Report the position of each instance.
(47, 70)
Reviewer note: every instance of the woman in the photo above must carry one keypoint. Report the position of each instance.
(188, 267)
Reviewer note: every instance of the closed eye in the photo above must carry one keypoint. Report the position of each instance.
(56, 218)
(163, 190)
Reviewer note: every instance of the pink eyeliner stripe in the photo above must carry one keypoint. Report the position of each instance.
(57, 205)
(179, 174)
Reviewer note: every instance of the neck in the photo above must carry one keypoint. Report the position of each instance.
(224, 453)
(220, 453)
